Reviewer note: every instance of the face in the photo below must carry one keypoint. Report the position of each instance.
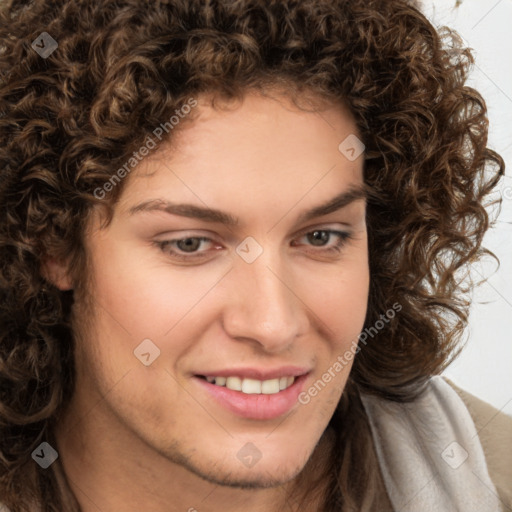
(245, 291)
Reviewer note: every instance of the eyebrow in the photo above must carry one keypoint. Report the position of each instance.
(192, 211)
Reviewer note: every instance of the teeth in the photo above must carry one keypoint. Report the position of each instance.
(253, 386)
(234, 383)
(220, 381)
(270, 387)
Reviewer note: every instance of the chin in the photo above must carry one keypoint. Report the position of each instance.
(249, 479)
(261, 476)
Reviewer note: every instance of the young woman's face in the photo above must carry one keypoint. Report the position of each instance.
(272, 299)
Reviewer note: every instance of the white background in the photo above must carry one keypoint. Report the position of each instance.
(485, 366)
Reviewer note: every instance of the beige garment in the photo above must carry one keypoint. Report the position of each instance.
(495, 432)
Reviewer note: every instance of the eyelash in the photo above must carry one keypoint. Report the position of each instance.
(343, 236)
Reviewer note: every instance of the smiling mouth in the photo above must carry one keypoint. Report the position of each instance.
(252, 386)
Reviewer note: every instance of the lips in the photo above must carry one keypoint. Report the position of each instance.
(252, 393)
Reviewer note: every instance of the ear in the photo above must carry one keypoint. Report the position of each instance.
(57, 273)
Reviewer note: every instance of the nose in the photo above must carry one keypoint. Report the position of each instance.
(264, 305)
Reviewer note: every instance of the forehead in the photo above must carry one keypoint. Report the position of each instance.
(256, 152)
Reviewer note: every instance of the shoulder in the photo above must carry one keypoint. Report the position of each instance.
(494, 430)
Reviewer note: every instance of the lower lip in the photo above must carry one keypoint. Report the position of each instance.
(256, 406)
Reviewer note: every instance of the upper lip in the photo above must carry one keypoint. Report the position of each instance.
(258, 373)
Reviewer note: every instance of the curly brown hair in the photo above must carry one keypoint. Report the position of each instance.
(70, 120)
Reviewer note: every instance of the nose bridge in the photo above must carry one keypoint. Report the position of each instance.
(263, 306)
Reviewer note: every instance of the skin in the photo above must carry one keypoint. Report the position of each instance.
(149, 438)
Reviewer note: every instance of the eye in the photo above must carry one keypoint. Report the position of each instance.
(190, 244)
(187, 248)
(326, 239)
(198, 247)
(319, 238)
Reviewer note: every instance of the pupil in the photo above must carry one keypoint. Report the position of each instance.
(189, 244)
(319, 237)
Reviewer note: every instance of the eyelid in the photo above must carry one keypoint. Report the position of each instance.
(170, 236)
(179, 234)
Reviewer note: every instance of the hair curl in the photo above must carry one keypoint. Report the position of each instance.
(121, 68)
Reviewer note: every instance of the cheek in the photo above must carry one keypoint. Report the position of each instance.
(346, 303)
(147, 298)
(339, 297)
